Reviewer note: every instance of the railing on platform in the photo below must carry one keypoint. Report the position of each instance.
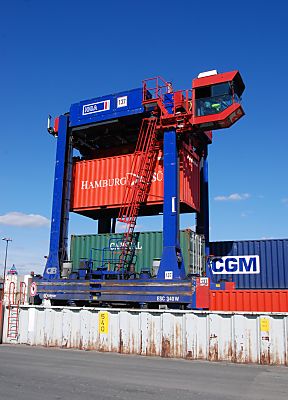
(155, 88)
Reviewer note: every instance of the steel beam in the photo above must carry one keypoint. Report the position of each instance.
(172, 264)
(61, 202)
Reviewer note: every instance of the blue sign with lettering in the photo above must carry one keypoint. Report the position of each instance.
(235, 265)
(93, 108)
(107, 107)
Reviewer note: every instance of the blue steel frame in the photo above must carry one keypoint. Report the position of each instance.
(140, 291)
(132, 106)
(170, 286)
(205, 208)
(202, 224)
(171, 264)
(61, 202)
(205, 200)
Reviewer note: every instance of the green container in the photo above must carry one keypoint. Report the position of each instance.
(149, 247)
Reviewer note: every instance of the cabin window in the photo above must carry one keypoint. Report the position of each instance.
(213, 99)
(221, 89)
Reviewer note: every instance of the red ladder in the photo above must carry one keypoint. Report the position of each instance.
(138, 185)
(13, 309)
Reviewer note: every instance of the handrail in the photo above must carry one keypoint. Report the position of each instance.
(155, 88)
(11, 285)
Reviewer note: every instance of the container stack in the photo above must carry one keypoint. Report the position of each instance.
(272, 271)
(148, 249)
(261, 286)
(99, 185)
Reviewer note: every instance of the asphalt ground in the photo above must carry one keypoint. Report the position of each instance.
(28, 373)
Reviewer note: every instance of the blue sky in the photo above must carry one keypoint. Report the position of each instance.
(59, 52)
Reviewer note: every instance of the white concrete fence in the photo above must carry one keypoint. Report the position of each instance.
(224, 336)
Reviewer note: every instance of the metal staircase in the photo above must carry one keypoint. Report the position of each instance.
(138, 186)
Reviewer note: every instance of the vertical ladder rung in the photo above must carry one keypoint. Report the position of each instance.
(13, 321)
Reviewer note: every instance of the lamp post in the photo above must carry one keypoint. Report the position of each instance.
(7, 240)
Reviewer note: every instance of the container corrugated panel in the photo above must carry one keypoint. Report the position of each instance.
(273, 256)
(101, 183)
(249, 300)
(149, 247)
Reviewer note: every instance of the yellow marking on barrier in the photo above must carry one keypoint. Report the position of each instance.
(103, 322)
(264, 325)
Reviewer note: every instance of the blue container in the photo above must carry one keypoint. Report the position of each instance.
(273, 263)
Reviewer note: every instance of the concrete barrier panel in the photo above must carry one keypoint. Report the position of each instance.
(199, 335)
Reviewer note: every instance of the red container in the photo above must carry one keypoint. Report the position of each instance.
(230, 286)
(202, 293)
(100, 184)
(249, 300)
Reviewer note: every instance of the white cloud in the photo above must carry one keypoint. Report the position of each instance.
(233, 197)
(285, 200)
(15, 218)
